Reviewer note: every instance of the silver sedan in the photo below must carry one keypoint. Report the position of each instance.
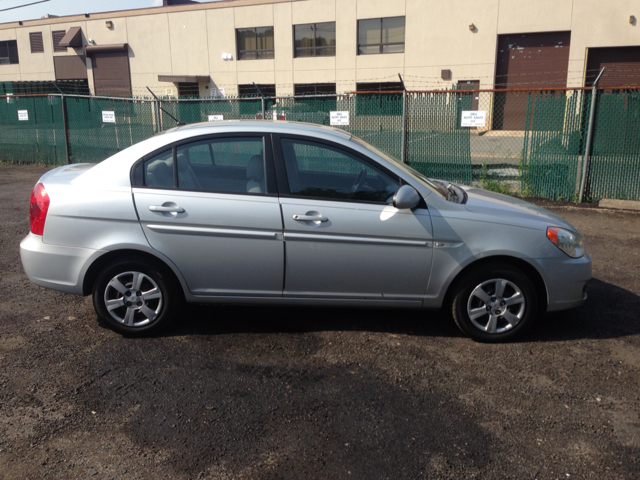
(279, 213)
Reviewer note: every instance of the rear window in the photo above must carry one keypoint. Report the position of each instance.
(158, 171)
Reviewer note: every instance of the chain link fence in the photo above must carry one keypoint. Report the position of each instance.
(527, 142)
(99, 127)
(32, 130)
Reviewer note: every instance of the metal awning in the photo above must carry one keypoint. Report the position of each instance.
(73, 38)
(184, 78)
(117, 47)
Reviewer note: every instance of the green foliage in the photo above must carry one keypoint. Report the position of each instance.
(525, 177)
(489, 183)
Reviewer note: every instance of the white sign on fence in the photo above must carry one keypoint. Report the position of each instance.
(216, 118)
(108, 117)
(339, 118)
(23, 115)
(473, 118)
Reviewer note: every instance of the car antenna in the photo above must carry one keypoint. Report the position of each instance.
(178, 122)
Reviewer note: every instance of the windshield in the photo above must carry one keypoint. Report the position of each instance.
(435, 187)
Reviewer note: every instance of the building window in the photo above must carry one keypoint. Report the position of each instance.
(249, 90)
(380, 87)
(188, 89)
(381, 35)
(315, 39)
(35, 40)
(57, 36)
(8, 52)
(254, 43)
(314, 89)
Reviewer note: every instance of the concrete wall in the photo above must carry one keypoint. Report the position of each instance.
(190, 40)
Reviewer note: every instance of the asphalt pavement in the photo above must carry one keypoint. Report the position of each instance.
(290, 393)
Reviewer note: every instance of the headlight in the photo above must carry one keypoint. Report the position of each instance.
(567, 241)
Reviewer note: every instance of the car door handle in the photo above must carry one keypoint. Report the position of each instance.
(310, 218)
(160, 208)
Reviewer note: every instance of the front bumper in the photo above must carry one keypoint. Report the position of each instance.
(566, 281)
(54, 266)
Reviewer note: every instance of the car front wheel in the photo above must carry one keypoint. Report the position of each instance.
(135, 297)
(494, 304)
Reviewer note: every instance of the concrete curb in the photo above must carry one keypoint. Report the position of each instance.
(619, 204)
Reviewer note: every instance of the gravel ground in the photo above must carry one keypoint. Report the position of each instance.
(320, 393)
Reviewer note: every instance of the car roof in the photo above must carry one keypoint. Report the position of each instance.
(300, 128)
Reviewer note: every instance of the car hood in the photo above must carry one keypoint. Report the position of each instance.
(510, 210)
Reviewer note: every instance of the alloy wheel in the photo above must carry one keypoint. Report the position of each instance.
(496, 306)
(133, 299)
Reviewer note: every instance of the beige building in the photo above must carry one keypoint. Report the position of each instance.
(324, 46)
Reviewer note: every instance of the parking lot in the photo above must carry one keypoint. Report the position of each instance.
(239, 392)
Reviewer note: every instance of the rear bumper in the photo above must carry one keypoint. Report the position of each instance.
(566, 282)
(56, 267)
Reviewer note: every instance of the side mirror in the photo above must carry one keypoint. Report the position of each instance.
(406, 197)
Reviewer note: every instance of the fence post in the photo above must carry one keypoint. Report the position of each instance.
(403, 146)
(587, 148)
(159, 110)
(65, 127)
(403, 142)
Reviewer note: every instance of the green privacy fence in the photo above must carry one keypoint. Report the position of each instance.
(32, 130)
(101, 127)
(554, 143)
(199, 110)
(614, 170)
(526, 142)
(437, 144)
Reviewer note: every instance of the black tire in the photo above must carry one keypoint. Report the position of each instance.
(134, 320)
(502, 321)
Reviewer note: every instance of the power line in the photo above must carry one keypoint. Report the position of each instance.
(22, 6)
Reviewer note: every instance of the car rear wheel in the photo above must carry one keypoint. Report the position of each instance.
(494, 304)
(135, 297)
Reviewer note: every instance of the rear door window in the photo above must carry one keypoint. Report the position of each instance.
(226, 165)
(158, 170)
(223, 165)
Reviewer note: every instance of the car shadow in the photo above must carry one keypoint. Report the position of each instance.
(610, 312)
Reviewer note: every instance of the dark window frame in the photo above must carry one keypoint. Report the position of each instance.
(316, 87)
(239, 52)
(381, 45)
(315, 47)
(187, 89)
(249, 90)
(11, 49)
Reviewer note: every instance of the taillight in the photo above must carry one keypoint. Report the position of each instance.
(38, 207)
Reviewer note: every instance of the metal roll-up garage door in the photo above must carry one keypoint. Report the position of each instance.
(531, 60)
(622, 66)
(111, 75)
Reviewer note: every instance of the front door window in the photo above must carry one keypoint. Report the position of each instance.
(320, 171)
